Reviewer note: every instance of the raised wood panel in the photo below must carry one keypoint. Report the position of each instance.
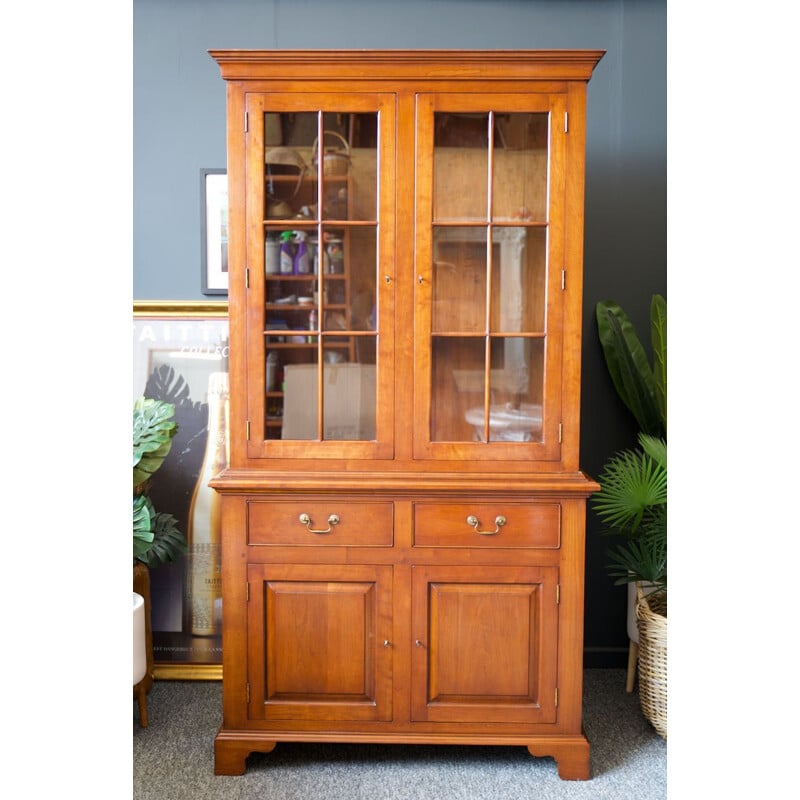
(484, 644)
(315, 639)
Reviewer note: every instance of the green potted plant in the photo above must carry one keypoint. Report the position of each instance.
(156, 538)
(632, 501)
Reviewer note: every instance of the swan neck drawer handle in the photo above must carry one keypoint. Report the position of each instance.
(333, 519)
(499, 521)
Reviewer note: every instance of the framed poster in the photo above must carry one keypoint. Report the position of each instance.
(180, 355)
(214, 231)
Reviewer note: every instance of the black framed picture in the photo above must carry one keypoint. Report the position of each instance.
(214, 231)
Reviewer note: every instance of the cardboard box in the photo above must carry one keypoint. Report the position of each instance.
(348, 397)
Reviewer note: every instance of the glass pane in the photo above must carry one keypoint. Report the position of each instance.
(519, 269)
(335, 265)
(332, 254)
(459, 280)
(457, 387)
(349, 154)
(300, 396)
(348, 400)
(290, 186)
(516, 379)
(362, 254)
(460, 166)
(519, 181)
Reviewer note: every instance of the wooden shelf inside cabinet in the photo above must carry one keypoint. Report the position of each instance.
(308, 276)
(302, 307)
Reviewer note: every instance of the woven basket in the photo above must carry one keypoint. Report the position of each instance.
(335, 160)
(651, 617)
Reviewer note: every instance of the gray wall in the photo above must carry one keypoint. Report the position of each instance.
(179, 128)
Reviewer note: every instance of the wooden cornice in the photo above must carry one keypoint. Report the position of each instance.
(400, 65)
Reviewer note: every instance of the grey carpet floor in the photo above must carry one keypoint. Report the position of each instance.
(173, 758)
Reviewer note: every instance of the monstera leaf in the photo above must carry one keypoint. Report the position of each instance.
(156, 538)
(153, 429)
(143, 535)
(168, 543)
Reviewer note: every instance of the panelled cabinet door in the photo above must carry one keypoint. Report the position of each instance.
(319, 642)
(320, 275)
(490, 214)
(485, 644)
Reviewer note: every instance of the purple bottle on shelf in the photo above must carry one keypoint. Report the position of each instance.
(302, 258)
(287, 253)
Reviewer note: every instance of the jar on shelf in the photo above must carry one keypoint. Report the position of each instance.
(335, 254)
(272, 255)
(272, 371)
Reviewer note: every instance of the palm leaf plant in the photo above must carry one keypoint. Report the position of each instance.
(156, 538)
(632, 501)
(640, 383)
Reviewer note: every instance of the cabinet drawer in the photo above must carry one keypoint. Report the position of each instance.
(320, 522)
(495, 524)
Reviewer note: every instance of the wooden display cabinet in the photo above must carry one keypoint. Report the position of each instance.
(403, 516)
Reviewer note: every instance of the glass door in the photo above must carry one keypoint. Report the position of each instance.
(490, 210)
(320, 233)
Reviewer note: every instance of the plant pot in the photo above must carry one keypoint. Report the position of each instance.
(651, 616)
(139, 639)
(141, 586)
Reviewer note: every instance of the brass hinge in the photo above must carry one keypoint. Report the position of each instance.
(560, 432)
(563, 279)
(566, 122)
(246, 121)
(247, 590)
(247, 428)
(558, 593)
(248, 695)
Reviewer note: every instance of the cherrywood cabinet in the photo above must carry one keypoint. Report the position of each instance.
(403, 516)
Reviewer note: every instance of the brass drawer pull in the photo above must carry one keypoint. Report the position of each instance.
(333, 519)
(499, 521)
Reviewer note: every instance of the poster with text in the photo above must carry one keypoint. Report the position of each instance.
(180, 355)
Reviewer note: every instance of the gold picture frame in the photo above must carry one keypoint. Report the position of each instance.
(176, 344)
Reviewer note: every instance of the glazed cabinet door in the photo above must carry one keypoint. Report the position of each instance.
(490, 219)
(319, 642)
(320, 275)
(485, 644)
